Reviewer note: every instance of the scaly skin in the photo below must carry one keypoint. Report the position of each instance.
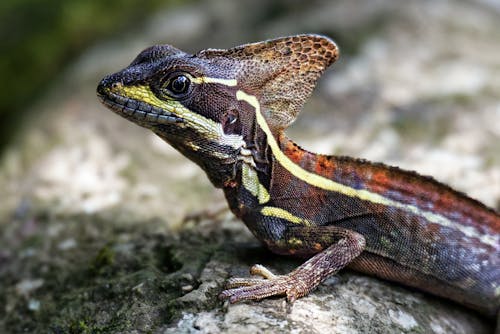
(227, 111)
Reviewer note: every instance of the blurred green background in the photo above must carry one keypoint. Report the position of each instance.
(40, 37)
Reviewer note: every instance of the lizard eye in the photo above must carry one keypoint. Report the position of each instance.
(178, 85)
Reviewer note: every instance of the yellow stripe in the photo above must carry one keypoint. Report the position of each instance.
(208, 128)
(311, 178)
(327, 184)
(263, 194)
(208, 80)
(283, 214)
(251, 183)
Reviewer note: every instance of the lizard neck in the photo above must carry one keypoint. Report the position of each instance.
(252, 172)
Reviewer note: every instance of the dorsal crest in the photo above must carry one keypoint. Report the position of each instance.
(281, 72)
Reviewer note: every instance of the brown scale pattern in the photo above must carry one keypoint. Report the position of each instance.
(382, 179)
(281, 72)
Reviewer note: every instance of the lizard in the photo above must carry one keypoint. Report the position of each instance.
(227, 110)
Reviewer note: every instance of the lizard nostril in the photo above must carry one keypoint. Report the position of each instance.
(107, 83)
(103, 85)
(101, 88)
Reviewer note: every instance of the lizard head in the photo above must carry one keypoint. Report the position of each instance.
(192, 101)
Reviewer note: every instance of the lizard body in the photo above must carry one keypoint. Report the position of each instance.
(227, 111)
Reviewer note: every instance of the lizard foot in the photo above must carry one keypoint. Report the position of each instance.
(240, 289)
(346, 245)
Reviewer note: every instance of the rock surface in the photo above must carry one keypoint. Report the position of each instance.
(104, 228)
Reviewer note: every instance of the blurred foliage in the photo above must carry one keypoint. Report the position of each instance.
(39, 37)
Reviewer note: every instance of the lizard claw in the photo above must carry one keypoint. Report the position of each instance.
(303, 279)
(241, 289)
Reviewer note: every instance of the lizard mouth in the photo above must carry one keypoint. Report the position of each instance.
(136, 111)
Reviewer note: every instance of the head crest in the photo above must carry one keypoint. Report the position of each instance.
(281, 72)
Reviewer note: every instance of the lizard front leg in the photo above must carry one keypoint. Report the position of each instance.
(344, 246)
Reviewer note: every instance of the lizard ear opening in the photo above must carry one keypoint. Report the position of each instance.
(281, 72)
